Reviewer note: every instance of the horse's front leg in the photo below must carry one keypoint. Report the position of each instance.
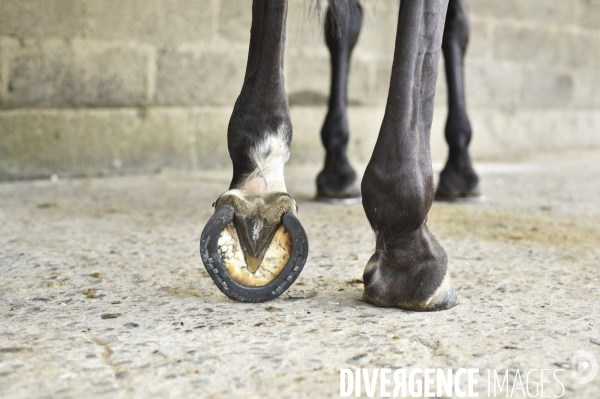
(253, 246)
(409, 267)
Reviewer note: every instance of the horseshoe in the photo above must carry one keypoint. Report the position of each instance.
(221, 277)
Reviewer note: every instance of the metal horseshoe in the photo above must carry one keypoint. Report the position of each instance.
(239, 292)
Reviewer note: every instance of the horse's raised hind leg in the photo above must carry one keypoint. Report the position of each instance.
(458, 180)
(337, 181)
(254, 247)
(409, 267)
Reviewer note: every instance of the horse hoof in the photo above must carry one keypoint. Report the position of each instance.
(348, 196)
(474, 195)
(382, 285)
(254, 246)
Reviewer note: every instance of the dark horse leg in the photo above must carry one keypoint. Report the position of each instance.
(337, 180)
(409, 267)
(249, 249)
(458, 179)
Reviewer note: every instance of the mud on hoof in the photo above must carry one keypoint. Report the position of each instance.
(412, 276)
(254, 247)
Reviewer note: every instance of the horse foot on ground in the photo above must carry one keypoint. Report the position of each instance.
(458, 185)
(338, 187)
(253, 246)
(413, 276)
(443, 194)
(382, 288)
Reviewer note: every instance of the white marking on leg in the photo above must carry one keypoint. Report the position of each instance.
(268, 159)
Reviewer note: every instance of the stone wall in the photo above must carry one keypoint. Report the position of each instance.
(108, 86)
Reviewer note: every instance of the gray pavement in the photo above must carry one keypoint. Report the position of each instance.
(103, 293)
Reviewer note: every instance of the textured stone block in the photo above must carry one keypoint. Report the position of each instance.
(364, 123)
(7, 46)
(441, 87)
(590, 13)
(383, 74)
(307, 79)
(199, 78)
(586, 93)
(151, 21)
(235, 20)
(59, 75)
(492, 85)
(41, 18)
(525, 44)
(580, 50)
(36, 143)
(305, 29)
(480, 41)
(306, 141)
(437, 140)
(533, 73)
(379, 28)
(559, 12)
(494, 8)
(550, 130)
(546, 88)
(359, 83)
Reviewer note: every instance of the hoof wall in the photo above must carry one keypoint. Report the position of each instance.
(442, 194)
(381, 290)
(347, 196)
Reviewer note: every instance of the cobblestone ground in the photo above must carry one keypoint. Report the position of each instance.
(103, 293)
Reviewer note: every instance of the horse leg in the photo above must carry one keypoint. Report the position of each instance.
(337, 180)
(409, 267)
(248, 246)
(458, 178)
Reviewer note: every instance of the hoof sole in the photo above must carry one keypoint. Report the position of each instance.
(209, 251)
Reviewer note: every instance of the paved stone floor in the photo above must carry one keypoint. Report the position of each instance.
(103, 294)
